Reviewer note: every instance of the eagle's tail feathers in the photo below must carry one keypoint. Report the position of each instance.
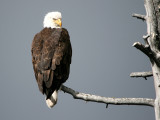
(52, 100)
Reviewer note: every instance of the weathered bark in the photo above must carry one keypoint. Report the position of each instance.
(152, 47)
(153, 29)
(156, 75)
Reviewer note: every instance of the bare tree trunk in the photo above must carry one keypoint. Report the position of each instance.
(156, 75)
(153, 30)
(152, 47)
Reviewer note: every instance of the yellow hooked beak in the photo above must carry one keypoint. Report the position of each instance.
(58, 22)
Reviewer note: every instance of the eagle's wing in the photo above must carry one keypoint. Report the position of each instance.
(51, 58)
(37, 45)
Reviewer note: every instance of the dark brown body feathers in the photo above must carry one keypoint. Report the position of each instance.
(51, 58)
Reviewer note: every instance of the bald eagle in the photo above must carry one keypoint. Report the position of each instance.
(51, 57)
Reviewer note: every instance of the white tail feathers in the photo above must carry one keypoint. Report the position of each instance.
(52, 100)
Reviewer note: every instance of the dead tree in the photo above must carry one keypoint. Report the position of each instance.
(152, 50)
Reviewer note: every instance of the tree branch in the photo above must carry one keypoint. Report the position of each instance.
(141, 74)
(145, 37)
(108, 100)
(139, 16)
(143, 49)
(146, 50)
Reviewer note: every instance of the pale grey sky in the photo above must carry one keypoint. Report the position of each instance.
(102, 33)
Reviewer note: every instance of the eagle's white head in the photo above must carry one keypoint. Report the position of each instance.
(52, 20)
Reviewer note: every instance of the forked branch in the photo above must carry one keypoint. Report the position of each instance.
(108, 100)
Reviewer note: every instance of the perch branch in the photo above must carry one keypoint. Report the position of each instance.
(108, 100)
(139, 16)
(141, 74)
